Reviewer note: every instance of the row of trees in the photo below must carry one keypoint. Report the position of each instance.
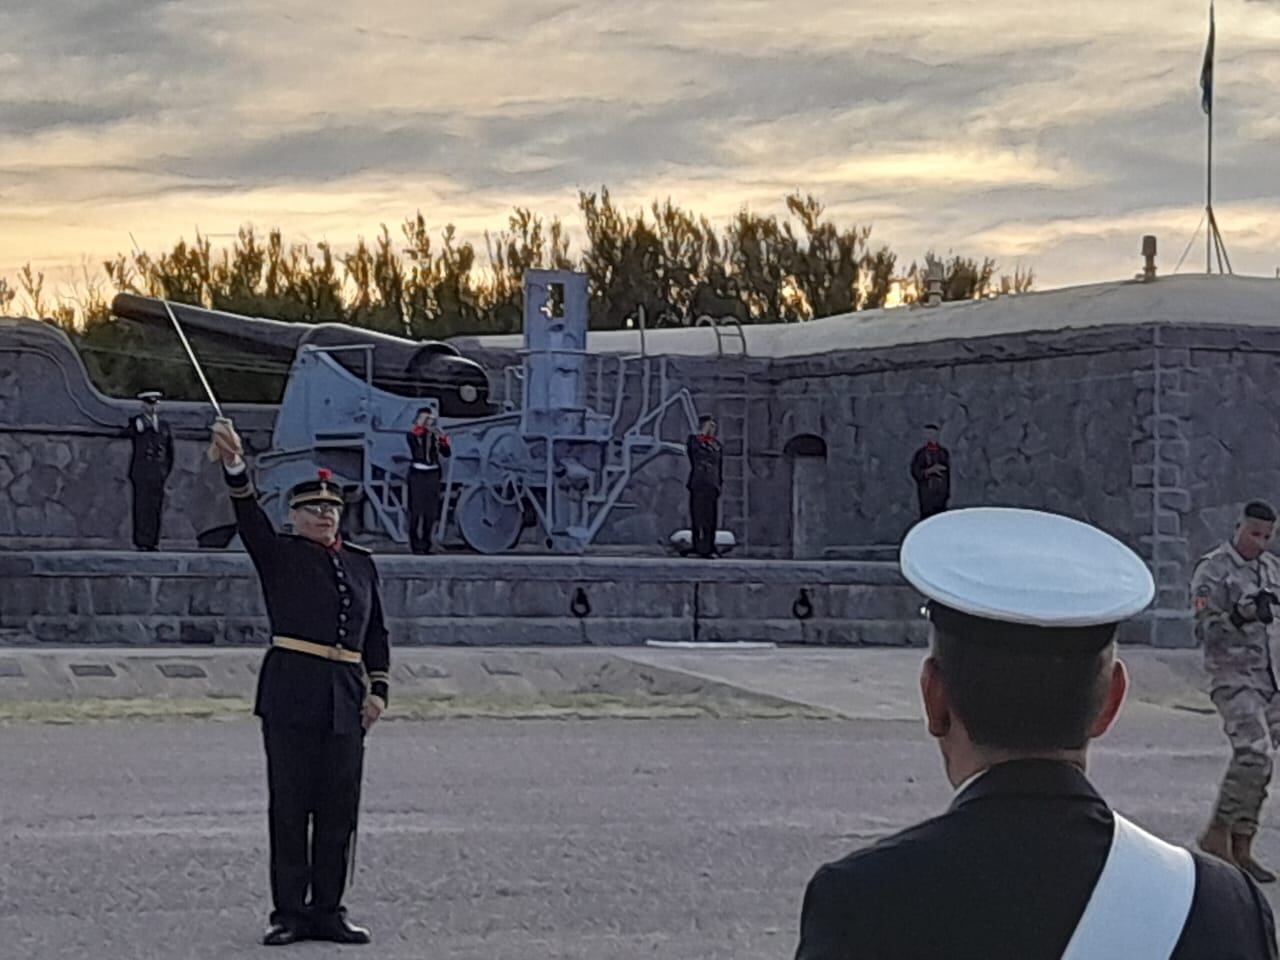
(673, 262)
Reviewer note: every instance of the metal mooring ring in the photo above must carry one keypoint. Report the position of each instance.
(802, 609)
(580, 606)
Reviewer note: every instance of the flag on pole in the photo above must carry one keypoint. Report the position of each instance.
(1206, 72)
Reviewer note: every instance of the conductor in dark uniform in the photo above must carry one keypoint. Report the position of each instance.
(428, 446)
(931, 470)
(1029, 861)
(323, 684)
(706, 478)
(149, 468)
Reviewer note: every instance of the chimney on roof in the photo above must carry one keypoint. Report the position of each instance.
(1149, 259)
(933, 283)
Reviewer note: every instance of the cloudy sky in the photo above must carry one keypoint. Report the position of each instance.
(1047, 133)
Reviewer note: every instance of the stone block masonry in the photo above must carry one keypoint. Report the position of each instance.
(212, 599)
(1148, 420)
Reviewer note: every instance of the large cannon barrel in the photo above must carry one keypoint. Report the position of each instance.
(412, 368)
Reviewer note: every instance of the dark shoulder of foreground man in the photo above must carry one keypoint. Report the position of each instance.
(870, 904)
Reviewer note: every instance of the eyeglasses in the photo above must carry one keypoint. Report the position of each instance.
(322, 509)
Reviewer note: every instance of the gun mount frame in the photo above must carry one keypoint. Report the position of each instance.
(549, 460)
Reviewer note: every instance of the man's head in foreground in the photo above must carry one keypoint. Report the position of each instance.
(1023, 610)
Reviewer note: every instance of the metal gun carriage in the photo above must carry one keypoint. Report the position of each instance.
(544, 458)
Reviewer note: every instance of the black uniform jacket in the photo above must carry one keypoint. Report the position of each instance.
(706, 463)
(937, 486)
(324, 595)
(152, 459)
(1007, 872)
(427, 447)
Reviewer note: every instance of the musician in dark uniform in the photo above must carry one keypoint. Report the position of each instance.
(931, 470)
(706, 478)
(149, 468)
(1029, 861)
(323, 684)
(428, 446)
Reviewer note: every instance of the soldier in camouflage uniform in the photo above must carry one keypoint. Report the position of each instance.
(1233, 590)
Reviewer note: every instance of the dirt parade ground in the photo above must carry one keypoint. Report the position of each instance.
(505, 838)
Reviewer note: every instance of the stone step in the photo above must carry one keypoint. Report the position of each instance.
(213, 599)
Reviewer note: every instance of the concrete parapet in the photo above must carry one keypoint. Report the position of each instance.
(213, 599)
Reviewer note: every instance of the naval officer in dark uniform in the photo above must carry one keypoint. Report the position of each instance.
(931, 470)
(1029, 861)
(428, 448)
(323, 684)
(706, 479)
(149, 468)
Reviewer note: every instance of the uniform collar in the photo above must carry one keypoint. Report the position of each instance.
(1034, 778)
(1238, 559)
(335, 547)
(970, 780)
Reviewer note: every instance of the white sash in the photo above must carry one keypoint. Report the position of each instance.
(1140, 902)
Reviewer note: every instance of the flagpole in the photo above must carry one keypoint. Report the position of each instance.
(1208, 199)
(1208, 187)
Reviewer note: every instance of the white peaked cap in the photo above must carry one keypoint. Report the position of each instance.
(1025, 567)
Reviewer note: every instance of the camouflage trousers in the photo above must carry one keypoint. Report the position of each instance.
(1251, 718)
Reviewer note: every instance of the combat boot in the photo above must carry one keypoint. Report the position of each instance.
(1216, 841)
(1242, 854)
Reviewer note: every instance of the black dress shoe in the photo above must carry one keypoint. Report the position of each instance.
(338, 929)
(280, 935)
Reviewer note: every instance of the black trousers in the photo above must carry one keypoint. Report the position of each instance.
(313, 778)
(704, 504)
(148, 503)
(424, 507)
(931, 503)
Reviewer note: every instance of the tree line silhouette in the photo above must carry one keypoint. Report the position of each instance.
(667, 259)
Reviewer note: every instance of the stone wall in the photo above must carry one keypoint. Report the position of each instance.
(64, 464)
(213, 598)
(1046, 422)
(1049, 421)
(1224, 452)
(1157, 433)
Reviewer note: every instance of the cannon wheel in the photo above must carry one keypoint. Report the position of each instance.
(487, 524)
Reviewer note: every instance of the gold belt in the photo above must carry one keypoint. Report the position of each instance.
(317, 649)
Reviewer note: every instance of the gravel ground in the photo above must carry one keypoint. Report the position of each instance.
(501, 839)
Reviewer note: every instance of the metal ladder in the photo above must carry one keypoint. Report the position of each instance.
(732, 410)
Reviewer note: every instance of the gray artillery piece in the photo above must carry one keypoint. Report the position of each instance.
(414, 368)
(547, 460)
